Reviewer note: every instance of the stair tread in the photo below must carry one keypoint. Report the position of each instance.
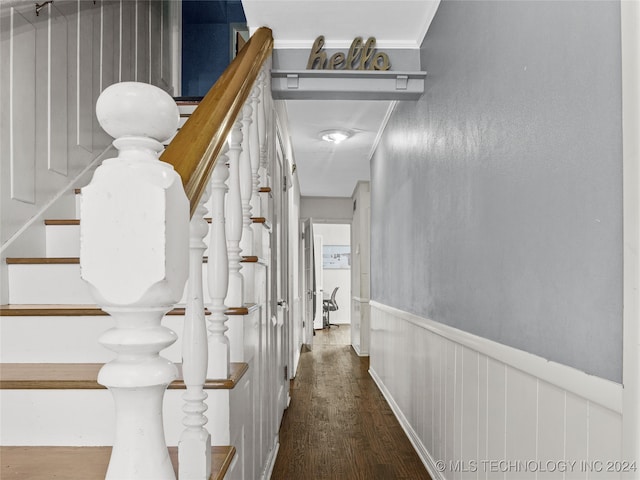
(237, 311)
(62, 221)
(253, 220)
(248, 307)
(76, 221)
(84, 463)
(76, 260)
(43, 260)
(36, 310)
(82, 376)
(194, 100)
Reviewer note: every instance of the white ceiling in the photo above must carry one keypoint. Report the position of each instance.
(325, 169)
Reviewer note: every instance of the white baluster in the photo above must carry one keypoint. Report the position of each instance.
(218, 274)
(262, 131)
(267, 142)
(233, 219)
(134, 254)
(246, 189)
(255, 148)
(194, 449)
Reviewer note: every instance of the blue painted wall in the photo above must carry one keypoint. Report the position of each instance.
(206, 42)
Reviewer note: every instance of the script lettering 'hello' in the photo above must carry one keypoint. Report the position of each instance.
(361, 56)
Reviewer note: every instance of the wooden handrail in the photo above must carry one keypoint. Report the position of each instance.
(194, 150)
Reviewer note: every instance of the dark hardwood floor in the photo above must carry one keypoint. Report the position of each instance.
(338, 425)
(340, 335)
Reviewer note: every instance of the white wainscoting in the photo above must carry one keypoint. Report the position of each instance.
(477, 409)
(54, 66)
(360, 325)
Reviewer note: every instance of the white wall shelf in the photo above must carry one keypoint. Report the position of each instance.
(347, 85)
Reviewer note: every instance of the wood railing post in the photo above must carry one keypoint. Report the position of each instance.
(235, 294)
(134, 257)
(218, 274)
(194, 449)
(197, 144)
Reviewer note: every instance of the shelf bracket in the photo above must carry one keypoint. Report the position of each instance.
(40, 6)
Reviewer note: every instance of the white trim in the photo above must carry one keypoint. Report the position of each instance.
(413, 436)
(630, 41)
(595, 389)
(355, 189)
(234, 461)
(360, 299)
(64, 190)
(323, 221)
(383, 125)
(175, 10)
(358, 351)
(427, 23)
(271, 461)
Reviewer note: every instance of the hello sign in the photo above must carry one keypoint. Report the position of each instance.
(361, 56)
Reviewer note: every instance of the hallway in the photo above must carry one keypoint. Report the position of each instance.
(338, 425)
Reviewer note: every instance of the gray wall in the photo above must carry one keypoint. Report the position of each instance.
(327, 209)
(497, 198)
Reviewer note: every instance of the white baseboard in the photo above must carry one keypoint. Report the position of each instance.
(422, 452)
(271, 461)
(359, 352)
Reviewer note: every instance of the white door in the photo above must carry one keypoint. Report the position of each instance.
(319, 294)
(280, 270)
(309, 289)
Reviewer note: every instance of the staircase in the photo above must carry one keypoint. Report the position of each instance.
(74, 409)
(53, 408)
(82, 463)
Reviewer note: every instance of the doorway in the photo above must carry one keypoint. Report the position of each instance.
(332, 242)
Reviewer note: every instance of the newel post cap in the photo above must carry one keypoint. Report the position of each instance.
(133, 109)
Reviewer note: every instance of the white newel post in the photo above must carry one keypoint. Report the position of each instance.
(134, 256)
(194, 448)
(233, 219)
(218, 274)
(246, 189)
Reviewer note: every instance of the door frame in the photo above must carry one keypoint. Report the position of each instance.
(307, 267)
(630, 45)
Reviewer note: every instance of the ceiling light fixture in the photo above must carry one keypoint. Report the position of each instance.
(335, 136)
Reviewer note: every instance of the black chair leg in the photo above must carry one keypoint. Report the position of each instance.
(329, 324)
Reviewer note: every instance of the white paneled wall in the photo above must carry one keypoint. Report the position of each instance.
(360, 256)
(360, 325)
(475, 409)
(53, 66)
